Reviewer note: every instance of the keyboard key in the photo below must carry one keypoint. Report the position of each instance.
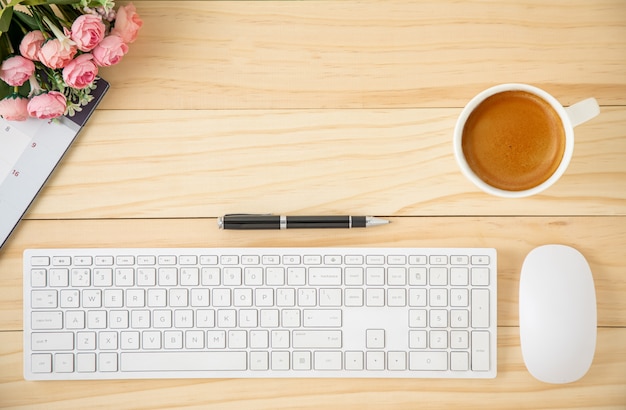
(396, 259)
(237, 339)
(330, 276)
(64, 362)
(459, 361)
(375, 276)
(333, 259)
(438, 260)
(250, 260)
(259, 361)
(459, 276)
(39, 261)
(61, 261)
(375, 259)
(375, 297)
(103, 260)
(80, 277)
(480, 260)
(327, 360)
(417, 276)
(354, 276)
(41, 363)
(229, 259)
(396, 276)
(86, 362)
(188, 259)
(280, 360)
(438, 276)
(322, 318)
(330, 297)
(480, 308)
(459, 260)
(313, 339)
(480, 276)
(312, 259)
(146, 260)
(354, 360)
(46, 320)
(275, 276)
(480, 351)
(353, 259)
(418, 259)
(301, 360)
(52, 341)
(59, 277)
(182, 361)
(396, 360)
(428, 361)
(43, 299)
(125, 260)
(375, 338)
(375, 360)
(107, 362)
(38, 278)
(208, 260)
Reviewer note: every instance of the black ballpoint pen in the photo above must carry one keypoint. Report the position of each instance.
(252, 221)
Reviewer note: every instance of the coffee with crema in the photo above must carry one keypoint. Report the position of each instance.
(513, 140)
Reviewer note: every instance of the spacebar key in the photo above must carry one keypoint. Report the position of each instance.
(182, 361)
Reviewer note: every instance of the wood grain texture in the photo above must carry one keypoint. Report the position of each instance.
(602, 387)
(157, 164)
(333, 107)
(367, 54)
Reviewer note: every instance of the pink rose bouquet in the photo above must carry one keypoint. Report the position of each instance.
(51, 50)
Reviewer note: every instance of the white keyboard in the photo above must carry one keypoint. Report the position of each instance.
(259, 312)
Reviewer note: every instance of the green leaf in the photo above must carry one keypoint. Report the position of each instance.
(5, 46)
(5, 19)
(27, 19)
(5, 90)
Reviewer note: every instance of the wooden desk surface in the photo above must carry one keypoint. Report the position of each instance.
(334, 107)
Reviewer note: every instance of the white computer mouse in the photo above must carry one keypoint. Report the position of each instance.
(557, 314)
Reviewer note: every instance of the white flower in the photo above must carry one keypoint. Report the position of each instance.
(63, 37)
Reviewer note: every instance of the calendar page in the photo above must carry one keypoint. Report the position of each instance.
(29, 151)
(14, 138)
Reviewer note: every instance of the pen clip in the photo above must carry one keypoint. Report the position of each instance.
(220, 220)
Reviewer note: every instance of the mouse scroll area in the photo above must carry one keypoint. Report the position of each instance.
(557, 313)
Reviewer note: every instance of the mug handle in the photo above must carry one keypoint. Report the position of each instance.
(582, 111)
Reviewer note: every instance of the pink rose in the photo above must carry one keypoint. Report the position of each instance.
(13, 108)
(46, 106)
(127, 23)
(53, 54)
(80, 72)
(31, 44)
(87, 31)
(16, 70)
(110, 51)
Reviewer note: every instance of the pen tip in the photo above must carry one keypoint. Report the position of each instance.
(374, 221)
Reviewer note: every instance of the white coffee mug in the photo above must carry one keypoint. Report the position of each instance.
(570, 117)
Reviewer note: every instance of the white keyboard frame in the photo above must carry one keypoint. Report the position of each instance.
(393, 319)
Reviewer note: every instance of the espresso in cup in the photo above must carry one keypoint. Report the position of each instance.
(513, 140)
(516, 140)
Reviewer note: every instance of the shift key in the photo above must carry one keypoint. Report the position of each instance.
(316, 339)
(52, 341)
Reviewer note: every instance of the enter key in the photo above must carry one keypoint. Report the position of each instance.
(322, 318)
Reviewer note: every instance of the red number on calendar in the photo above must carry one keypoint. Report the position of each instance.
(33, 145)
(16, 173)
